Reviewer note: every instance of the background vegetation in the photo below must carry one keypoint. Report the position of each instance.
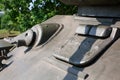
(23, 14)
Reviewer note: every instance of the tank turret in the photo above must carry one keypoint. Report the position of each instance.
(91, 2)
(98, 8)
(84, 46)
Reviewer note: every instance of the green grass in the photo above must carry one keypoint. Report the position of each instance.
(6, 33)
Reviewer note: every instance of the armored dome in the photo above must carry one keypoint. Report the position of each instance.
(91, 2)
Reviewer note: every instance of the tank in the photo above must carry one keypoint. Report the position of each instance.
(92, 2)
(84, 46)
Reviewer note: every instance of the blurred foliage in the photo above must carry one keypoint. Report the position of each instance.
(23, 14)
(5, 33)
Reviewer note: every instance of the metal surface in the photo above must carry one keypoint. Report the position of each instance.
(4, 50)
(5, 44)
(23, 39)
(38, 35)
(82, 50)
(45, 32)
(73, 35)
(83, 29)
(99, 11)
(40, 64)
(91, 2)
(100, 31)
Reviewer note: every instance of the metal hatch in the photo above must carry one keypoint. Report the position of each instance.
(88, 43)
